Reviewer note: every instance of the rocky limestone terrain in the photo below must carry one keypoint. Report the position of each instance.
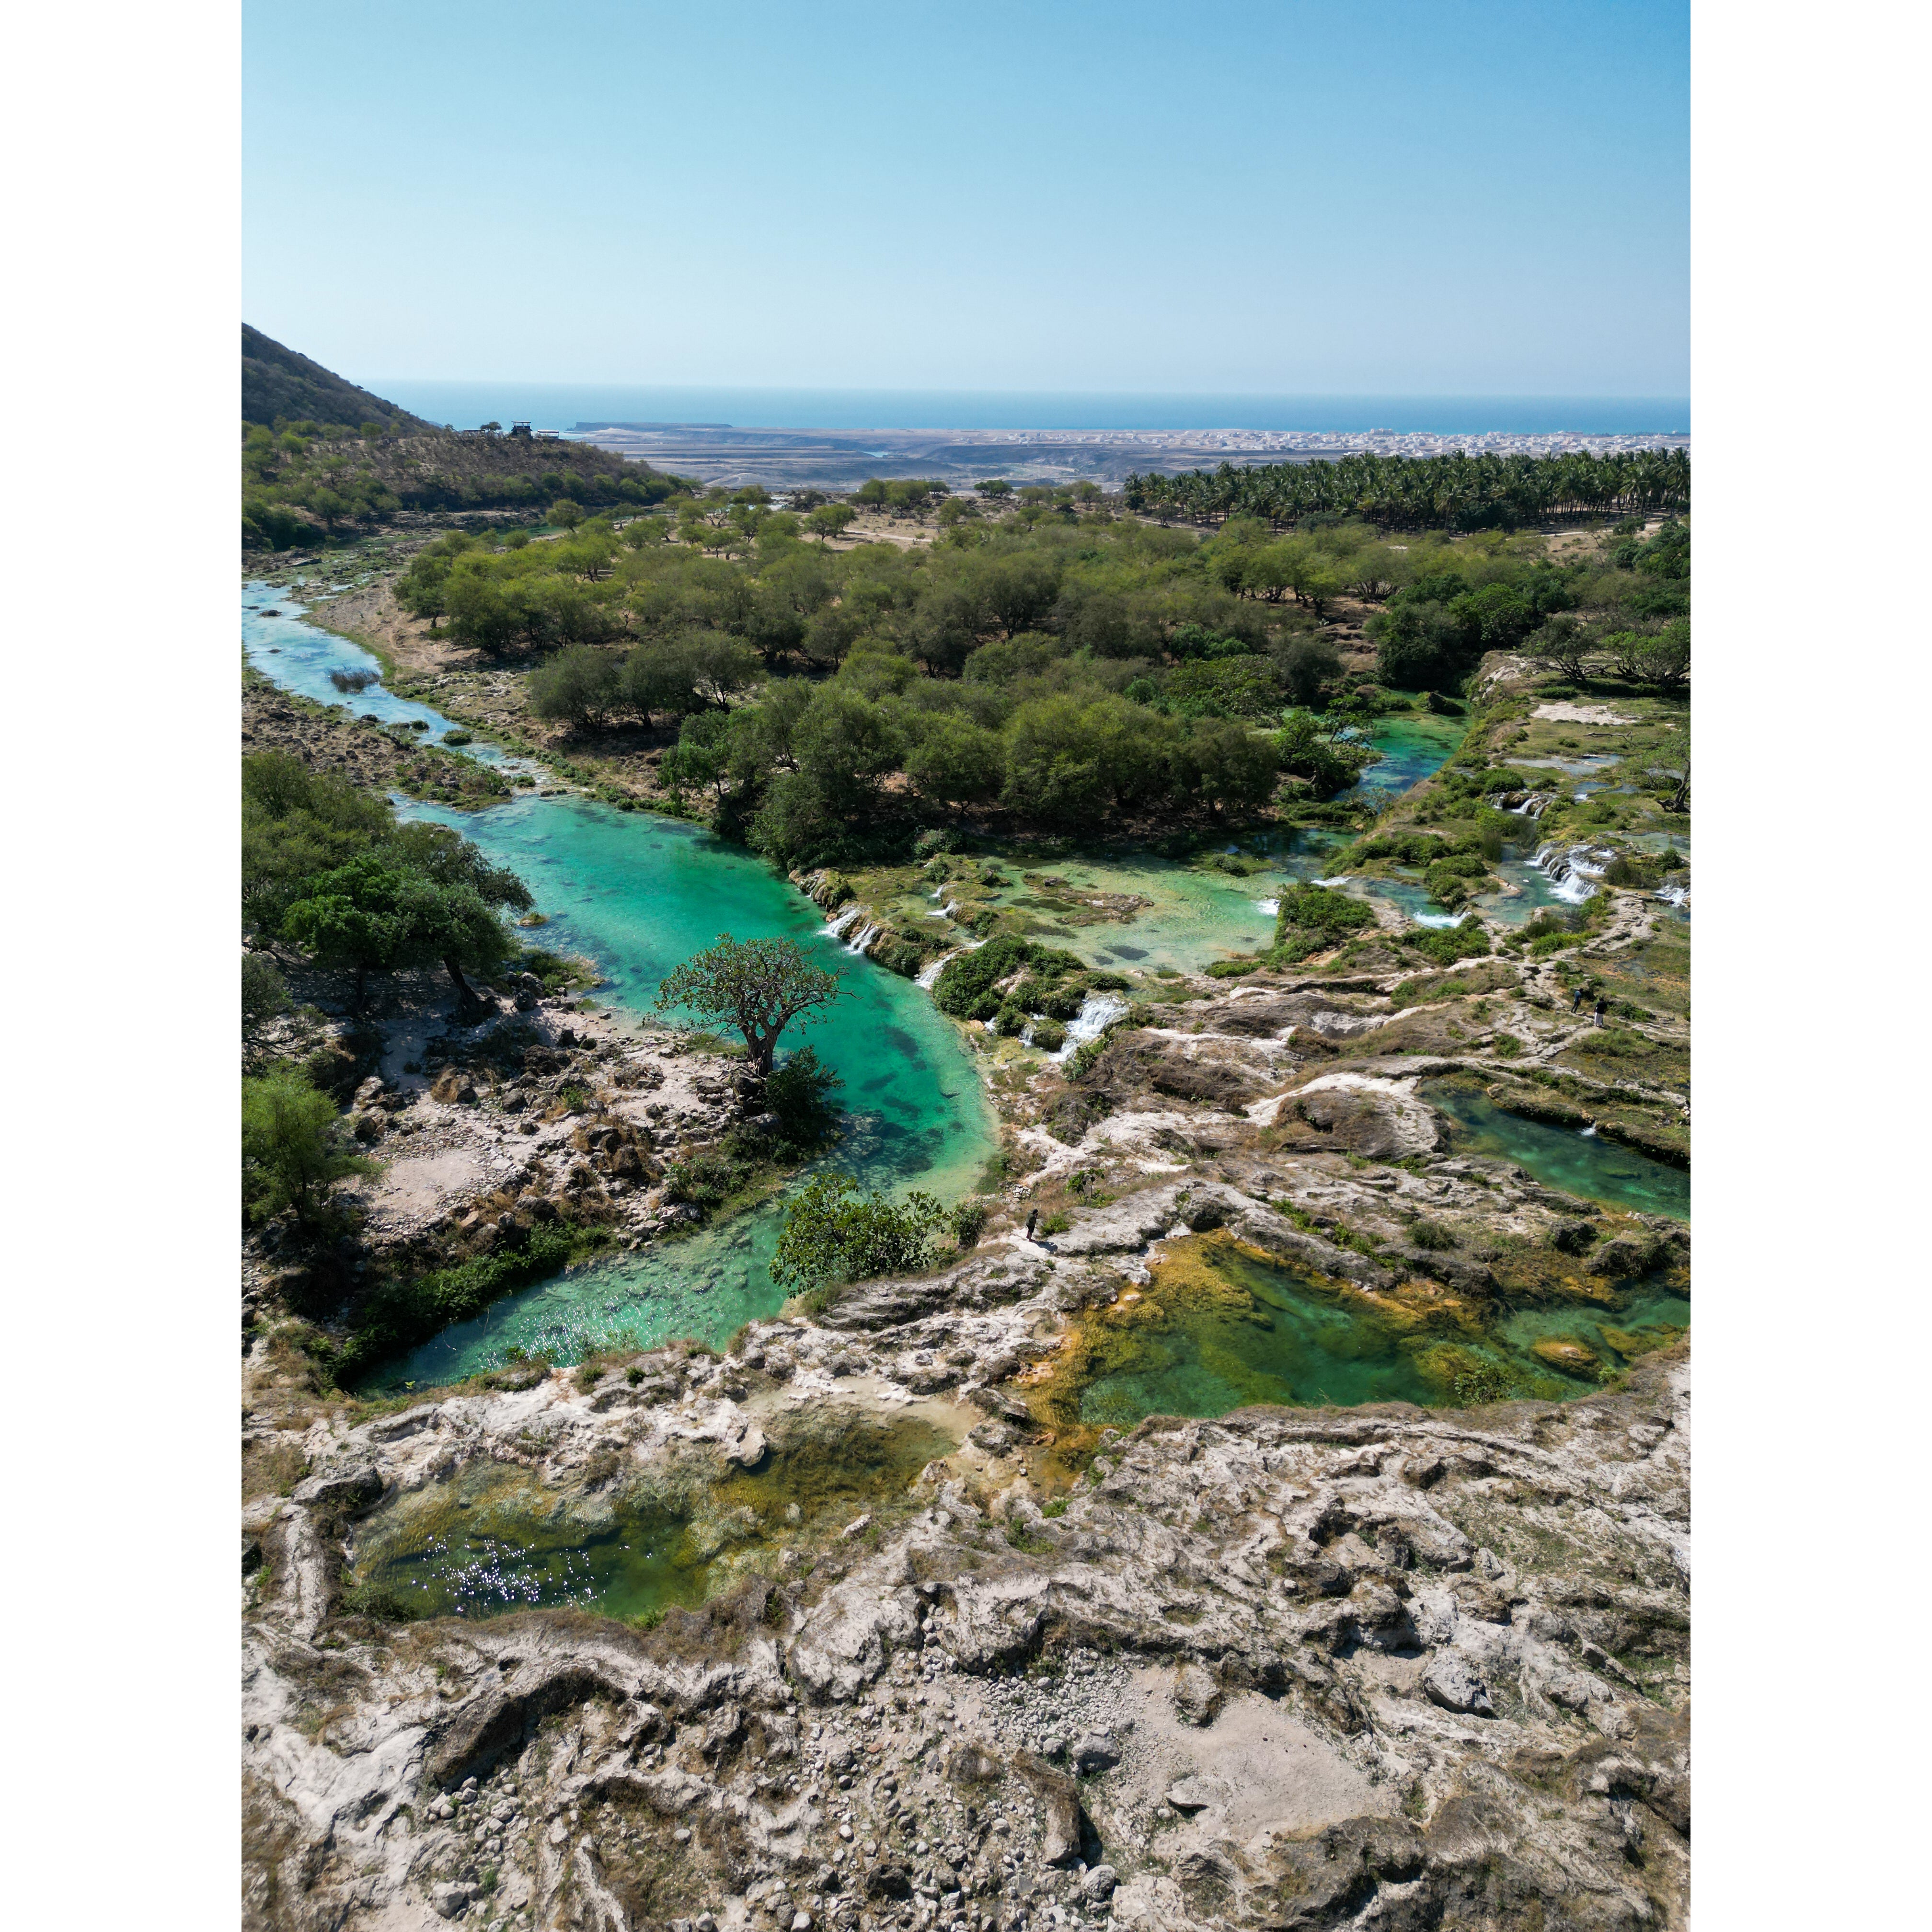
(1287, 1668)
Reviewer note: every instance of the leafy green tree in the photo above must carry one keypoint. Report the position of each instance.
(1054, 771)
(265, 997)
(758, 987)
(353, 918)
(872, 493)
(292, 1154)
(1562, 645)
(1242, 687)
(830, 519)
(800, 1092)
(660, 676)
(564, 515)
(700, 759)
(1419, 646)
(1660, 657)
(1224, 764)
(1308, 667)
(957, 763)
(833, 1232)
(582, 685)
(1308, 748)
(845, 745)
(995, 487)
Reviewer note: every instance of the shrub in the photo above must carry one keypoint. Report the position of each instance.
(1448, 944)
(800, 1092)
(1315, 918)
(964, 988)
(292, 1154)
(970, 1219)
(833, 1233)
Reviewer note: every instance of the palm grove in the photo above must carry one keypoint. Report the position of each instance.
(1044, 664)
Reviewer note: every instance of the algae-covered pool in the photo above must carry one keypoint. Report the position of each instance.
(1220, 1326)
(497, 1537)
(1579, 1162)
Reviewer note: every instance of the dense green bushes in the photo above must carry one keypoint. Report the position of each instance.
(834, 1233)
(1315, 919)
(328, 868)
(967, 985)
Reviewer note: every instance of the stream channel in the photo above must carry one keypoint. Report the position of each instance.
(638, 893)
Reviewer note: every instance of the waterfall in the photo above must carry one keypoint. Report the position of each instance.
(1098, 1012)
(864, 939)
(928, 976)
(1675, 895)
(1268, 906)
(835, 927)
(1441, 919)
(1568, 872)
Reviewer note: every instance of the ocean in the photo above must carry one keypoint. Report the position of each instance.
(563, 405)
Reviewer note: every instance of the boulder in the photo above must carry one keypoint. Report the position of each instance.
(1099, 1884)
(1197, 1697)
(1093, 1751)
(447, 1900)
(1450, 1680)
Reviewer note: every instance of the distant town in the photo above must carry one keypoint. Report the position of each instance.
(796, 458)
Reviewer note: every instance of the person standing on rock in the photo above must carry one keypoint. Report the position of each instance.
(1033, 1221)
(1600, 1009)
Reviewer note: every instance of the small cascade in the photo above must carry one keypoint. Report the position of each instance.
(1675, 895)
(1572, 875)
(928, 976)
(1098, 1012)
(859, 945)
(1271, 907)
(1521, 804)
(1441, 918)
(835, 927)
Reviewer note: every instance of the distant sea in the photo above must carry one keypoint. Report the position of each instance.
(562, 405)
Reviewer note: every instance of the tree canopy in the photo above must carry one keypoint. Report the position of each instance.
(757, 987)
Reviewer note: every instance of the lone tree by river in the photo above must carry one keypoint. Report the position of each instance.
(758, 986)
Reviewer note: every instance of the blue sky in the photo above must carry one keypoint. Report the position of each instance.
(1489, 197)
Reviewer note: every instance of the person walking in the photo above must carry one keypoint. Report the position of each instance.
(1577, 1004)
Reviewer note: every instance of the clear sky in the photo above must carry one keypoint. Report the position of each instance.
(1453, 197)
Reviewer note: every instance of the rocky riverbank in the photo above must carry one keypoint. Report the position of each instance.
(1277, 1669)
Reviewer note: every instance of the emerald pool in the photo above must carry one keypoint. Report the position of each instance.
(638, 893)
(1579, 1163)
(1220, 1326)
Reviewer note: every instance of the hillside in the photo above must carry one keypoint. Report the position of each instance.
(309, 474)
(278, 384)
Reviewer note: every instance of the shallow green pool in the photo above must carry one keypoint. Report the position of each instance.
(497, 1537)
(639, 893)
(1219, 1328)
(1583, 1164)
